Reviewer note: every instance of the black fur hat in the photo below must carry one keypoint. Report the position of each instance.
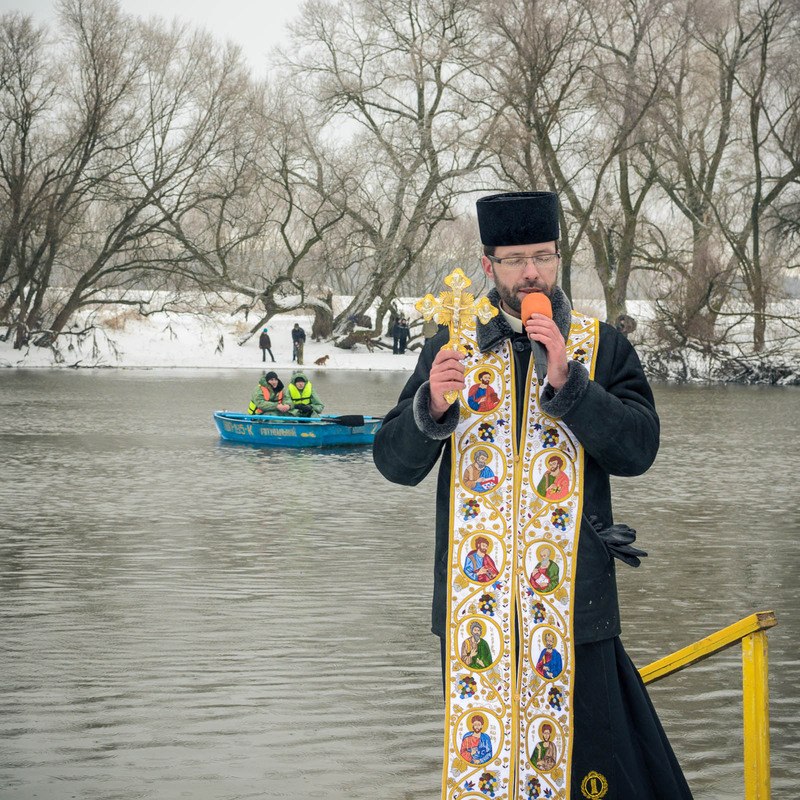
(516, 218)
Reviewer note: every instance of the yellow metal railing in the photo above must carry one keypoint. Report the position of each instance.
(752, 633)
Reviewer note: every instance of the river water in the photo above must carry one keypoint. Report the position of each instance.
(187, 618)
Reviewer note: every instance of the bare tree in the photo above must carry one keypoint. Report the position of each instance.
(723, 152)
(770, 158)
(398, 87)
(146, 148)
(254, 224)
(453, 244)
(580, 82)
(62, 123)
(694, 130)
(537, 62)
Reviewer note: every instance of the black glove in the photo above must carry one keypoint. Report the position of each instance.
(305, 411)
(618, 540)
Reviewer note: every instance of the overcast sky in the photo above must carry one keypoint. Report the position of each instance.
(256, 25)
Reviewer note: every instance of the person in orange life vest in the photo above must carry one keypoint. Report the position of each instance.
(269, 396)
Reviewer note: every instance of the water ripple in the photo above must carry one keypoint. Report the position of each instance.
(185, 618)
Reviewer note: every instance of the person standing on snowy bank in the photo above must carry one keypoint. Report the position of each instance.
(403, 333)
(396, 336)
(266, 346)
(596, 412)
(298, 343)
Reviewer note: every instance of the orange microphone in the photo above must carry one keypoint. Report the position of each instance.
(537, 303)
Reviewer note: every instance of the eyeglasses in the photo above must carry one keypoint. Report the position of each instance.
(519, 262)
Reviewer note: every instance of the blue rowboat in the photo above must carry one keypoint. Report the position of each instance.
(280, 431)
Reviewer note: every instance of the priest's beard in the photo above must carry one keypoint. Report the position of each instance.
(509, 293)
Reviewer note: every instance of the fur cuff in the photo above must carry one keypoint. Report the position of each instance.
(426, 423)
(558, 403)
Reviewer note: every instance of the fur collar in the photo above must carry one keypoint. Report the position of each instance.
(497, 329)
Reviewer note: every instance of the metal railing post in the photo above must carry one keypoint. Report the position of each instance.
(752, 633)
(755, 697)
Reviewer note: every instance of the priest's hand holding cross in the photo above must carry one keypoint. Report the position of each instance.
(454, 309)
(447, 375)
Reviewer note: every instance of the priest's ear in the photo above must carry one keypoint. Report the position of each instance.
(486, 263)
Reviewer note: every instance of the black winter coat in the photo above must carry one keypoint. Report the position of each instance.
(613, 416)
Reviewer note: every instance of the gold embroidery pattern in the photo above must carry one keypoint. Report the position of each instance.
(548, 526)
(594, 786)
(498, 722)
(479, 602)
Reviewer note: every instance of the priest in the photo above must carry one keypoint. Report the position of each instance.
(570, 386)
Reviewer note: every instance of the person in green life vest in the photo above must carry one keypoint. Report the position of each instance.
(269, 396)
(304, 400)
(475, 650)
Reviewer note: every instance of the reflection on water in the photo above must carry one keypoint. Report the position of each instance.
(184, 617)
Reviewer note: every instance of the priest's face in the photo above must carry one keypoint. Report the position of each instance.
(514, 284)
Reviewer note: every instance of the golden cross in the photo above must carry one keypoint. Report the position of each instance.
(456, 309)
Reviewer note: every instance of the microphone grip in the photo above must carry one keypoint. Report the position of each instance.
(539, 360)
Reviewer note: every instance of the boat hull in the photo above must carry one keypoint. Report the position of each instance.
(279, 431)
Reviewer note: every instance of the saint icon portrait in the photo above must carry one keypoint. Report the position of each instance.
(549, 665)
(475, 651)
(482, 397)
(554, 484)
(476, 747)
(545, 575)
(478, 476)
(545, 754)
(478, 565)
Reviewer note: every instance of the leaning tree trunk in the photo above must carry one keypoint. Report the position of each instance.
(322, 327)
(759, 318)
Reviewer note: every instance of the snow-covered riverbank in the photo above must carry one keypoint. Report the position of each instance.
(119, 337)
(122, 338)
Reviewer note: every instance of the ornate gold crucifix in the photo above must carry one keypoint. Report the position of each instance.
(455, 308)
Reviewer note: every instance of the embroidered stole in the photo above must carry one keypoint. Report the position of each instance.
(515, 517)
